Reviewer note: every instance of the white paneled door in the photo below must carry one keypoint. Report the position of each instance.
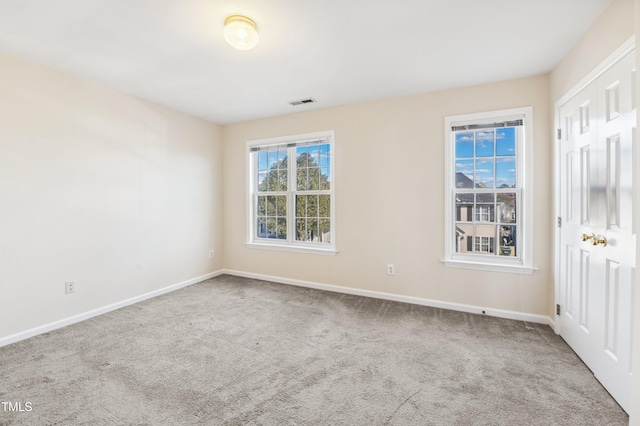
(597, 234)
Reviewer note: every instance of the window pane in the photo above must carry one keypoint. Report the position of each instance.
(506, 172)
(313, 180)
(262, 181)
(464, 207)
(282, 229)
(262, 227)
(314, 155)
(312, 230)
(325, 231)
(486, 198)
(302, 156)
(464, 173)
(464, 145)
(271, 205)
(484, 173)
(483, 245)
(325, 158)
(464, 238)
(484, 143)
(281, 205)
(485, 239)
(262, 206)
(301, 205)
(484, 213)
(273, 159)
(485, 205)
(282, 180)
(271, 227)
(262, 160)
(273, 180)
(324, 206)
(312, 206)
(506, 141)
(301, 229)
(325, 178)
(313, 222)
(508, 241)
(301, 179)
(282, 158)
(507, 207)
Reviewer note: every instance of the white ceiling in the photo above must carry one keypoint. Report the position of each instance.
(337, 51)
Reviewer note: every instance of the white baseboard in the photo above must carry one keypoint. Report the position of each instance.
(103, 310)
(519, 316)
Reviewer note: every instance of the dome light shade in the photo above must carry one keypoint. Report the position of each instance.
(240, 32)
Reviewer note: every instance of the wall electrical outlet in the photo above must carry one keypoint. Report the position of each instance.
(391, 269)
(210, 254)
(70, 287)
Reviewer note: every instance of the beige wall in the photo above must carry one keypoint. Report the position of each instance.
(99, 187)
(610, 31)
(389, 198)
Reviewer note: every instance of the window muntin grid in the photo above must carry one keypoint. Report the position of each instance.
(487, 191)
(291, 193)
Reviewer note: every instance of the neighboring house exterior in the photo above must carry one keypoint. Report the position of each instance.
(478, 226)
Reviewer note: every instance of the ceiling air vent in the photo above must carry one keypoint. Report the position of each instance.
(302, 102)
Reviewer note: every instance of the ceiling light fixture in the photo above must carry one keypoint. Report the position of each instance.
(240, 32)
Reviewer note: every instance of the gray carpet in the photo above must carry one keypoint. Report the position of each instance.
(234, 351)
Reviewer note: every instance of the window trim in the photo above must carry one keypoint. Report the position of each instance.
(293, 246)
(523, 265)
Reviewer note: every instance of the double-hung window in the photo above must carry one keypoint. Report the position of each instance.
(291, 193)
(488, 220)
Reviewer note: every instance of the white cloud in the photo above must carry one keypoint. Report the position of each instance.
(485, 135)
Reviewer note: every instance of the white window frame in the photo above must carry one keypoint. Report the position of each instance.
(524, 161)
(253, 241)
(483, 244)
(483, 214)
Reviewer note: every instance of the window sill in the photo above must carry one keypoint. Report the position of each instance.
(493, 267)
(296, 249)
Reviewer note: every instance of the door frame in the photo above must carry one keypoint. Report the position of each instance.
(617, 55)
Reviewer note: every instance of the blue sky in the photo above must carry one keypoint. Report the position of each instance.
(494, 151)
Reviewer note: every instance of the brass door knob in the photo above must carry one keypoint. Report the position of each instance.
(600, 240)
(588, 237)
